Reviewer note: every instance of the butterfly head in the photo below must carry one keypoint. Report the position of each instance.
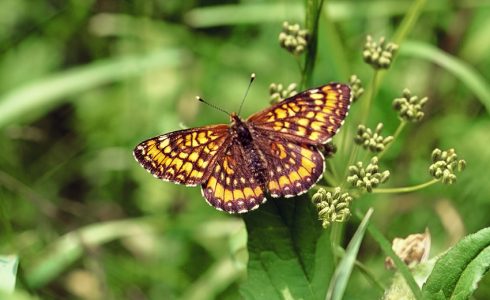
(234, 118)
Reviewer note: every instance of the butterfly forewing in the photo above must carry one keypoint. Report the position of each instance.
(183, 156)
(312, 116)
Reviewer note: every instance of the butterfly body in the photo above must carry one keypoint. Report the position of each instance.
(272, 153)
(255, 162)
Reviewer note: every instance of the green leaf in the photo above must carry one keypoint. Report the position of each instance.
(344, 268)
(37, 97)
(290, 255)
(464, 72)
(8, 272)
(456, 273)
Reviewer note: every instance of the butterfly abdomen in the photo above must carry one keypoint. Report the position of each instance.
(255, 162)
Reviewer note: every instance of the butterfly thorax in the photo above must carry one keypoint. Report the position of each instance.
(242, 134)
(241, 131)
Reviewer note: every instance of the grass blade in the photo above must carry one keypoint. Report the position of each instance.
(37, 97)
(468, 75)
(342, 272)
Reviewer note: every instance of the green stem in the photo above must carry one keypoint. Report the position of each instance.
(370, 99)
(301, 71)
(330, 177)
(352, 158)
(313, 10)
(406, 26)
(408, 21)
(406, 189)
(365, 114)
(395, 135)
(335, 236)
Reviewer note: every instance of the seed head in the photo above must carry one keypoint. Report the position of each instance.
(445, 164)
(372, 140)
(293, 38)
(367, 178)
(279, 93)
(356, 87)
(332, 207)
(378, 55)
(410, 107)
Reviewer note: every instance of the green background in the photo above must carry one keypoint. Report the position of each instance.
(82, 82)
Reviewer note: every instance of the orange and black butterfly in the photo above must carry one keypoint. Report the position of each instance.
(272, 153)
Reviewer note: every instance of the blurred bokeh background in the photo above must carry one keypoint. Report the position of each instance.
(83, 81)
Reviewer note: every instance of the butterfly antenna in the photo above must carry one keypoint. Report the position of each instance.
(252, 77)
(212, 105)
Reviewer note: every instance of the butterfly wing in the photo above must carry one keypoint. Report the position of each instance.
(231, 185)
(312, 116)
(293, 168)
(184, 156)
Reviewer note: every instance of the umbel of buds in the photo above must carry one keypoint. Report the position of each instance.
(378, 55)
(369, 177)
(293, 38)
(444, 164)
(372, 141)
(279, 93)
(332, 207)
(410, 107)
(356, 87)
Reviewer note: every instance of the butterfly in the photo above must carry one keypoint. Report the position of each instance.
(275, 152)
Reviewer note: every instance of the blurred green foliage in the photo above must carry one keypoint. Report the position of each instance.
(82, 82)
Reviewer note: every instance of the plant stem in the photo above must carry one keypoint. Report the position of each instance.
(352, 158)
(365, 114)
(406, 25)
(395, 135)
(406, 189)
(335, 236)
(370, 99)
(329, 175)
(313, 11)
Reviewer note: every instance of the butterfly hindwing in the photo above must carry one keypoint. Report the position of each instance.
(312, 116)
(292, 168)
(231, 185)
(182, 156)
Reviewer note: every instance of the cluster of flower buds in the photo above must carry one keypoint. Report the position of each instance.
(279, 93)
(356, 87)
(332, 207)
(369, 177)
(444, 164)
(372, 141)
(410, 107)
(378, 55)
(293, 38)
